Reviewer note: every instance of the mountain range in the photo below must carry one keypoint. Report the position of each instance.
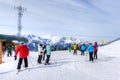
(52, 39)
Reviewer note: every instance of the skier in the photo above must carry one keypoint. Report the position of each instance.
(39, 53)
(23, 54)
(16, 46)
(83, 48)
(69, 49)
(4, 50)
(95, 50)
(9, 50)
(75, 49)
(44, 52)
(90, 50)
(48, 50)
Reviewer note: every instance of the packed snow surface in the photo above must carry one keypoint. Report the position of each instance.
(66, 66)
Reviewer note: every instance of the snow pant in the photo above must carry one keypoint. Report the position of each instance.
(20, 62)
(44, 56)
(9, 53)
(82, 52)
(91, 56)
(39, 58)
(75, 52)
(48, 58)
(95, 55)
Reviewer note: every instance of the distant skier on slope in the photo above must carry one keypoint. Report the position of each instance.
(75, 49)
(40, 53)
(95, 50)
(69, 49)
(83, 48)
(90, 50)
(23, 54)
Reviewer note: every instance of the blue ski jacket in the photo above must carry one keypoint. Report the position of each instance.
(90, 48)
(83, 47)
(48, 49)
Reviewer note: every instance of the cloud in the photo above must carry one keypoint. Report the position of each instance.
(64, 17)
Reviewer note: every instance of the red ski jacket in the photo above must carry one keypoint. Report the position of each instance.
(95, 48)
(23, 51)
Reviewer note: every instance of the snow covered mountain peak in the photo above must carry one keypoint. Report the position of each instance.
(52, 39)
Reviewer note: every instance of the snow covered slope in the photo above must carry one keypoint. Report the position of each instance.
(66, 66)
(112, 49)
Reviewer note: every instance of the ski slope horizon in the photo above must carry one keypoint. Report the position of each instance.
(69, 39)
(66, 66)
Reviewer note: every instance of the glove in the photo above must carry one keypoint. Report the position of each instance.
(15, 57)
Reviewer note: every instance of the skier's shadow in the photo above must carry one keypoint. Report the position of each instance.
(6, 72)
(107, 59)
(61, 59)
(53, 64)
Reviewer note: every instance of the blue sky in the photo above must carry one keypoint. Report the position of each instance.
(89, 19)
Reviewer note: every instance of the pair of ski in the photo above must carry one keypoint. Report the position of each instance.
(28, 69)
(18, 71)
(43, 63)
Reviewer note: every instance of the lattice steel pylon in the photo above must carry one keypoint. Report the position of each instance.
(20, 14)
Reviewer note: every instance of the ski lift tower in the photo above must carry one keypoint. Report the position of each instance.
(20, 14)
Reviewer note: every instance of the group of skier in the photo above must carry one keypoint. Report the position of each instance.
(91, 49)
(8, 49)
(44, 50)
(22, 49)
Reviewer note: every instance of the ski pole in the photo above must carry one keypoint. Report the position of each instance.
(31, 61)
